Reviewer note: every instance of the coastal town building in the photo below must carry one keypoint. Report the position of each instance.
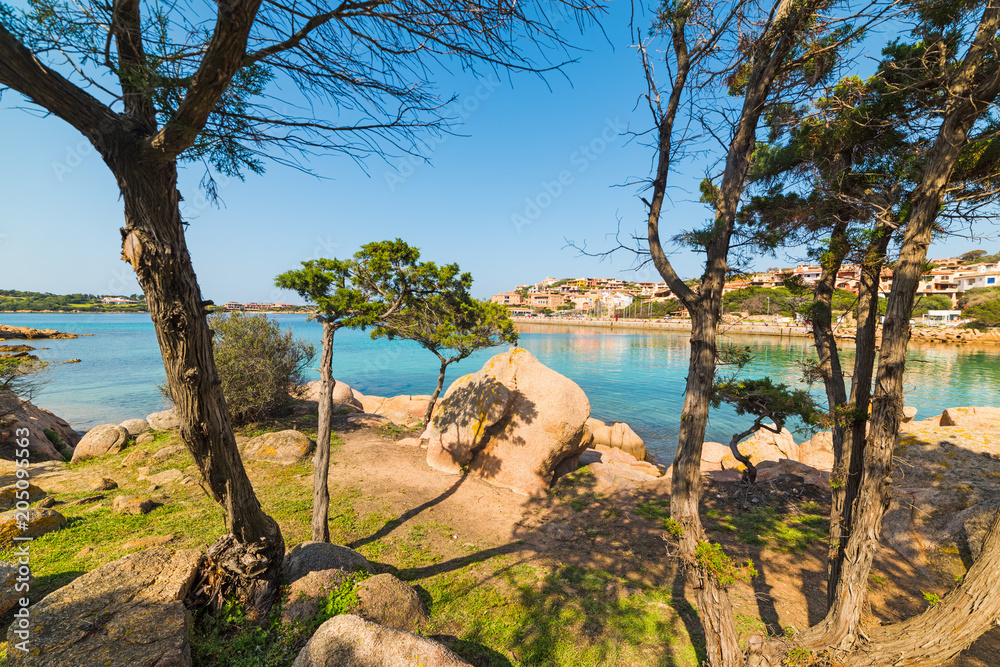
(949, 277)
(552, 300)
(254, 307)
(117, 301)
(508, 298)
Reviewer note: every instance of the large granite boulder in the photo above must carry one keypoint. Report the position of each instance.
(317, 556)
(619, 435)
(10, 572)
(351, 641)
(818, 451)
(10, 495)
(386, 600)
(764, 445)
(48, 435)
(405, 410)
(135, 426)
(32, 523)
(712, 455)
(166, 420)
(516, 440)
(343, 394)
(458, 430)
(128, 613)
(99, 441)
(284, 447)
(312, 571)
(370, 404)
(978, 418)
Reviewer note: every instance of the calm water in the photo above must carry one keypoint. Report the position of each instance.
(631, 377)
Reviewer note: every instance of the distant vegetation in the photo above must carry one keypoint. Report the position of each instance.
(982, 305)
(16, 300)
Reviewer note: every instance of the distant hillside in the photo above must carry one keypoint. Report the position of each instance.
(17, 300)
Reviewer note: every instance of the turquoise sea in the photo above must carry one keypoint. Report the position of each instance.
(633, 377)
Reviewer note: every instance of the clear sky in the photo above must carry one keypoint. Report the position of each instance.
(60, 211)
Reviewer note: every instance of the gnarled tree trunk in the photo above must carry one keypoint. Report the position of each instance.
(251, 554)
(947, 628)
(848, 466)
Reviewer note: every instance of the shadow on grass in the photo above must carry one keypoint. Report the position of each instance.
(393, 524)
(590, 585)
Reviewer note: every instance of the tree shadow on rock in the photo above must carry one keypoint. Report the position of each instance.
(476, 416)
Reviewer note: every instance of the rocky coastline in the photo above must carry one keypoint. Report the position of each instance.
(27, 333)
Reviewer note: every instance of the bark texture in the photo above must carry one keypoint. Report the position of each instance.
(321, 461)
(142, 157)
(705, 302)
(947, 628)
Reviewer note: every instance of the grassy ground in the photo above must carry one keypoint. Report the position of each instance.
(496, 605)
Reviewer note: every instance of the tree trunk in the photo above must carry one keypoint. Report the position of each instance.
(714, 606)
(947, 628)
(251, 554)
(321, 461)
(968, 98)
(833, 375)
(848, 470)
(437, 390)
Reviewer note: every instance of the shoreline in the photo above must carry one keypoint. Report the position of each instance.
(141, 312)
(920, 334)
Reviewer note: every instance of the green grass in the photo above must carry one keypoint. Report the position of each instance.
(491, 606)
(654, 510)
(568, 616)
(767, 527)
(229, 639)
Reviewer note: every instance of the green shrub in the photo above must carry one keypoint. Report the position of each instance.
(977, 296)
(258, 364)
(987, 313)
(58, 442)
(19, 378)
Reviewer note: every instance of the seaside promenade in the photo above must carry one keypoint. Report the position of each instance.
(951, 335)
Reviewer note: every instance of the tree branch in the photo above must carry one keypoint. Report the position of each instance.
(23, 72)
(133, 74)
(224, 57)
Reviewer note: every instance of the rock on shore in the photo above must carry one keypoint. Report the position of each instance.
(512, 423)
(128, 613)
(37, 420)
(27, 333)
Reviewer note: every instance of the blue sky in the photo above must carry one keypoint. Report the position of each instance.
(549, 154)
